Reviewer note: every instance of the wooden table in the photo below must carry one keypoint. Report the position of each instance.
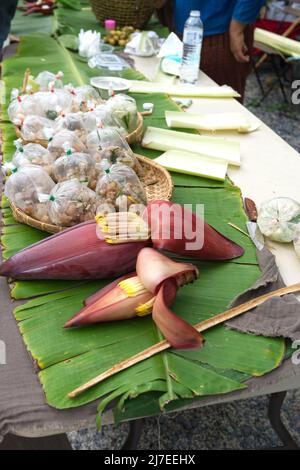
(270, 167)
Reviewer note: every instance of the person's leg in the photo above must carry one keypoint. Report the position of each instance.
(219, 63)
(7, 12)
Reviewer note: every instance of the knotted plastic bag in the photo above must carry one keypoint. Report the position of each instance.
(36, 128)
(65, 140)
(279, 219)
(115, 149)
(23, 187)
(33, 154)
(78, 166)
(46, 80)
(70, 203)
(120, 187)
(123, 110)
(85, 98)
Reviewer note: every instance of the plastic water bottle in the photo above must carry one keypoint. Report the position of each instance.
(192, 46)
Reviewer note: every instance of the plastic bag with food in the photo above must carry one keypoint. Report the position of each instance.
(115, 149)
(100, 139)
(71, 121)
(20, 107)
(78, 166)
(123, 110)
(120, 187)
(23, 187)
(279, 219)
(51, 104)
(33, 154)
(71, 203)
(103, 117)
(65, 140)
(46, 80)
(37, 128)
(85, 98)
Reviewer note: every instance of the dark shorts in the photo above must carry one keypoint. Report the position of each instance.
(7, 12)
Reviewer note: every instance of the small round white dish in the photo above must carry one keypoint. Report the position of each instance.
(109, 86)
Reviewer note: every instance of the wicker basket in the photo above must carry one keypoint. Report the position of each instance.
(156, 180)
(135, 13)
(133, 138)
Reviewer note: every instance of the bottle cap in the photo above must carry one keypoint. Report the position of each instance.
(195, 13)
(110, 24)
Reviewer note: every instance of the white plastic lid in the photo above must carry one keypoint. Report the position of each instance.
(195, 13)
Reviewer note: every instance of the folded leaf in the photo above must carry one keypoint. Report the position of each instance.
(211, 122)
(139, 86)
(217, 147)
(194, 164)
(285, 45)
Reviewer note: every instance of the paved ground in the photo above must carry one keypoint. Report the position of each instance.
(239, 425)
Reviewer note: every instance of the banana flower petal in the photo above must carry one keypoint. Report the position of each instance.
(113, 303)
(153, 268)
(176, 229)
(179, 333)
(129, 297)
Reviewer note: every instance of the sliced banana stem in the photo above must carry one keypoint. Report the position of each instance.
(200, 327)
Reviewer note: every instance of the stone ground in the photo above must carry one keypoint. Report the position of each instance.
(238, 425)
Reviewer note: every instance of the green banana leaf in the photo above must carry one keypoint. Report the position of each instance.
(69, 358)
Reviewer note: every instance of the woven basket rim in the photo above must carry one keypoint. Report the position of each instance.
(128, 12)
(21, 217)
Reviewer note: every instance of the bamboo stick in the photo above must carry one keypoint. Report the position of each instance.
(25, 81)
(200, 327)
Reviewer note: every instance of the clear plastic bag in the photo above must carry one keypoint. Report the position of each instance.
(101, 138)
(115, 149)
(66, 140)
(71, 203)
(33, 154)
(22, 188)
(279, 219)
(37, 128)
(84, 98)
(51, 104)
(123, 110)
(121, 188)
(103, 117)
(105, 208)
(78, 166)
(93, 143)
(71, 121)
(21, 107)
(46, 80)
